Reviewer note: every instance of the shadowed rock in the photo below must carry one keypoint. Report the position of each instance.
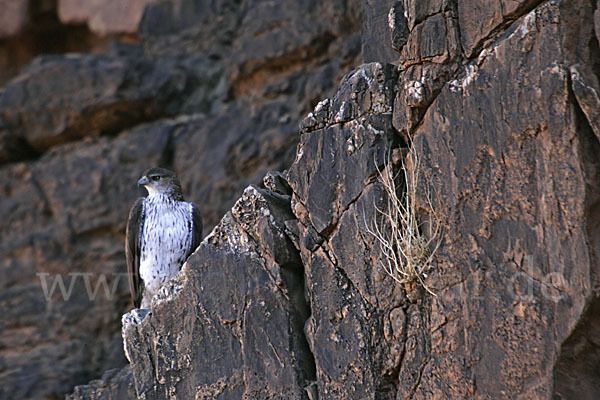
(237, 306)
(286, 298)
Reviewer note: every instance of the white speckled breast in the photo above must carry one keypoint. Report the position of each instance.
(165, 240)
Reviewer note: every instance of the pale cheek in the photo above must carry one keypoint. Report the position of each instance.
(151, 190)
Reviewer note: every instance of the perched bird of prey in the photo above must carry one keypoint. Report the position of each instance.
(162, 231)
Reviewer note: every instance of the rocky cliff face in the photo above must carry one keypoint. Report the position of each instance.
(213, 90)
(285, 298)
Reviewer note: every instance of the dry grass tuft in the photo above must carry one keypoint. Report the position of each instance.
(407, 251)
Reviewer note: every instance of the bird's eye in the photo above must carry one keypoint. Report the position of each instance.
(155, 178)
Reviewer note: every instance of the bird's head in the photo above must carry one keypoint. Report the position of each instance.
(161, 181)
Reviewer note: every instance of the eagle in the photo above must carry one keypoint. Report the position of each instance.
(162, 231)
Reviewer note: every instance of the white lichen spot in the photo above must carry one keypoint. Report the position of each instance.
(320, 105)
(168, 292)
(364, 75)
(392, 18)
(559, 70)
(350, 148)
(184, 119)
(483, 55)
(461, 84)
(354, 142)
(333, 337)
(528, 24)
(416, 91)
(231, 232)
(454, 85)
(339, 116)
(471, 74)
(300, 153)
(374, 130)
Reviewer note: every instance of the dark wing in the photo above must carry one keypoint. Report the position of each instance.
(132, 250)
(196, 230)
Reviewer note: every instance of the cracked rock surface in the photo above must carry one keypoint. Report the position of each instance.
(285, 298)
(230, 325)
(509, 142)
(212, 90)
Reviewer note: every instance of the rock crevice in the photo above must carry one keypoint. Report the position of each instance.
(285, 298)
(508, 140)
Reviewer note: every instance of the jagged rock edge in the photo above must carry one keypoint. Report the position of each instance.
(479, 54)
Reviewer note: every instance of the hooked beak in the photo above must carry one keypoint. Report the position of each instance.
(143, 181)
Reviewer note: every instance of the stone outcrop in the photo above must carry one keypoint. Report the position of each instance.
(77, 130)
(507, 136)
(286, 297)
(88, 95)
(240, 296)
(241, 301)
(514, 160)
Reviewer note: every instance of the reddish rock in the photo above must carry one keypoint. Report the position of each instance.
(74, 11)
(103, 17)
(61, 99)
(508, 147)
(483, 20)
(77, 130)
(287, 297)
(513, 160)
(64, 222)
(14, 17)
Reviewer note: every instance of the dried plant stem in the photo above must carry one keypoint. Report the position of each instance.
(407, 252)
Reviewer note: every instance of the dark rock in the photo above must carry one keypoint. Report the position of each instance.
(14, 147)
(248, 330)
(115, 384)
(420, 85)
(398, 26)
(166, 17)
(76, 131)
(597, 21)
(287, 297)
(383, 30)
(218, 156)
(433, 40)
(334, 196)
(256, 244)
(479, 20)
(60, 99)
(514, 278)
(277, 182)
(516, 188)
(418, 11)
(63, 222)
(368, 90)
(586, 90)
(429, 33)
(430, 56)
(316, 181)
